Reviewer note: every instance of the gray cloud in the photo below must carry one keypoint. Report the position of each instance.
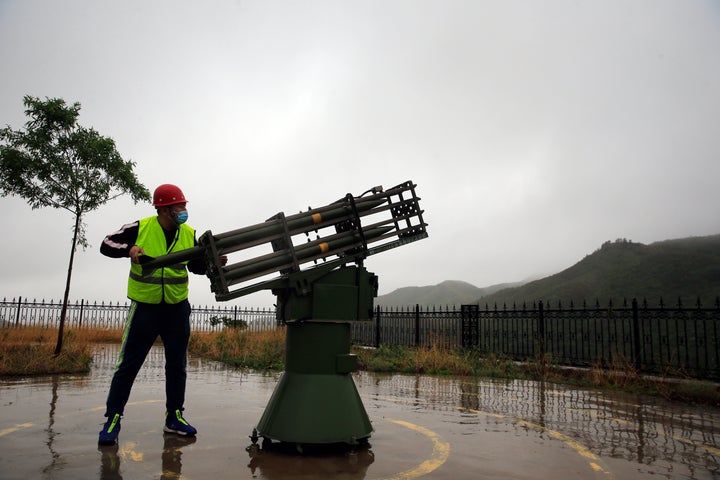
(535, 130)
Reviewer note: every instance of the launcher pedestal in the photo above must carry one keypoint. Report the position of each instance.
(316, 401)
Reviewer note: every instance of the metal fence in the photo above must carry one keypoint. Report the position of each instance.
(661, 340)
(85, 314)
(675, 340)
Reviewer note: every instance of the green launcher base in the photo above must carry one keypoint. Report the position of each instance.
(316, 401)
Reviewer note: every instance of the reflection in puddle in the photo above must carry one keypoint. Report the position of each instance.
(644, 430)
(276, 465)
(112, 456)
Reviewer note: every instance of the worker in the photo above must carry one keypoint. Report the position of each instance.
(159, 307)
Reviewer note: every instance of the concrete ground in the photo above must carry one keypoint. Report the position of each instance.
(430, 427)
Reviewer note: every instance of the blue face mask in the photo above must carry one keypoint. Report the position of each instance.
(181, 217)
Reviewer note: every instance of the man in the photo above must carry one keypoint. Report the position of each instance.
(159, 307)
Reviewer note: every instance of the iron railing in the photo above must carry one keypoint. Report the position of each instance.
(675, 340)
(85, 314)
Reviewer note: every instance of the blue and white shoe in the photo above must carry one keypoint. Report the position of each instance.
(175, 423)
(110, 431)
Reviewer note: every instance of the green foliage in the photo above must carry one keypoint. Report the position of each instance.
(56, 163)
(386, 358)
(228, 322)
(434, 360)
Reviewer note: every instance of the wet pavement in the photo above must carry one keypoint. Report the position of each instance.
(425, 427)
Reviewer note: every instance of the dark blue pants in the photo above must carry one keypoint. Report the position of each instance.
(144, 324)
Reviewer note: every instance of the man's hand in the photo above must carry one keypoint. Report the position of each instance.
(135, 252)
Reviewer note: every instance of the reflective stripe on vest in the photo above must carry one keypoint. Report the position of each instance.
(169, 283)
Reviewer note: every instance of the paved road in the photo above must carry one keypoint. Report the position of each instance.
(425, 427)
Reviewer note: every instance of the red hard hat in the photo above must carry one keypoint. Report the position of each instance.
(168, 194)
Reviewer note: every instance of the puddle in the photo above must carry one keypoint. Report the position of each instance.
(430, 427)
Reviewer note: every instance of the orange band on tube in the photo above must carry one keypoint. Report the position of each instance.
(317, 218)
(324, 247)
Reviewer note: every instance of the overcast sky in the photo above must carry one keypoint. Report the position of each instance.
(535, 131)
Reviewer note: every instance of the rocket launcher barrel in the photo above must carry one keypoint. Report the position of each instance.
(393, 218)
(305, 253)
(295, 224)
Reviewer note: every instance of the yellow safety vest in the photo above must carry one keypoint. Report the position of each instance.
(169, 283)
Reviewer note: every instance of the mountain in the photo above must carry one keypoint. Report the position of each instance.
(687, 268)
(449, 292)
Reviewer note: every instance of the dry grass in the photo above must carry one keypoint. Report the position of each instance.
(622, 375)
(26, 335)
(30, 350)
(435, 359)
(240, 348)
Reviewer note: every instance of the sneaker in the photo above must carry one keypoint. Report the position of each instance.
(110, 431)
(175, 423)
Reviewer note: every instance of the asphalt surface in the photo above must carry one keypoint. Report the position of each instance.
(429, 427)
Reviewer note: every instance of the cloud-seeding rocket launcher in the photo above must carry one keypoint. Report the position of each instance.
(315, 401)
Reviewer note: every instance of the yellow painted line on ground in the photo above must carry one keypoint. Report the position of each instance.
(20, 426)
(594, 460)
(17, 427)
(439, 455)
(687, 441)
(579, 448)
(710, 449)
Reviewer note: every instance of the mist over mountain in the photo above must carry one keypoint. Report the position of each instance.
(685, 269)
(447, 293)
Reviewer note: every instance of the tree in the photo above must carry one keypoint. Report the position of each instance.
(54, 162)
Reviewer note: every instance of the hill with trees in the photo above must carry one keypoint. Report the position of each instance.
(685, 269)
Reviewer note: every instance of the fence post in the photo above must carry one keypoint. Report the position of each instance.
(470, 325)
(476, 319)
(417, 325)
(636, 335)
(541, 330)
(82, 308)
(17, 316)
(377, 326)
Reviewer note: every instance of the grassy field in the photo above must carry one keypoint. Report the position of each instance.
(29, 351)
(240, 348)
